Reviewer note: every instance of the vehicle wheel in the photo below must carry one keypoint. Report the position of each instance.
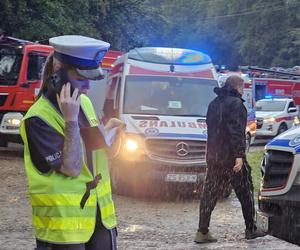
(282, 128)
(248, 142)
(3, 141)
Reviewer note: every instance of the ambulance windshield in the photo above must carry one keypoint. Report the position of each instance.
(10, 63)
(165, 95)
(270, 105)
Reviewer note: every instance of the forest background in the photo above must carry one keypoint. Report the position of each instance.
(264, 33)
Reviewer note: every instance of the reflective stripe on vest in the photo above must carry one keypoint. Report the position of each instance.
(99, 159)
(55, 198)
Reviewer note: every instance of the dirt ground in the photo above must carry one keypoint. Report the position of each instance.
(142, 224)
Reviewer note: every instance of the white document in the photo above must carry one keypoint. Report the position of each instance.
(110, 136)
(175, 105)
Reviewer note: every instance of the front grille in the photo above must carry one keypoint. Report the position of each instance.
(276, 166)
(259, 123)
(2, 99)
(176, 149)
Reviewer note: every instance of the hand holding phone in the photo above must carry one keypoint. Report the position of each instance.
(69, 103)
(57, 80)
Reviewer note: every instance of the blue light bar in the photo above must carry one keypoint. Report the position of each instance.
(268, 97)
(172, 56)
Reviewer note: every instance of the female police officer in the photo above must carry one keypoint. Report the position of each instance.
(65, 159)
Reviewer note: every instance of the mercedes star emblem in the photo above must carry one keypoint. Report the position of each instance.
(182, 149)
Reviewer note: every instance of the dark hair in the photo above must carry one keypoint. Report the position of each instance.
(234, 82)
(48, 71)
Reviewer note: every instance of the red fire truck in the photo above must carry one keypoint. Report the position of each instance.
(21, 65)
(275, 109)
(268, 82)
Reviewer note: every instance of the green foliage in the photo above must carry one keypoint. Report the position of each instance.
(235, 32)
(248, 32)
(41, 19)
(125, 24)
(254, 159)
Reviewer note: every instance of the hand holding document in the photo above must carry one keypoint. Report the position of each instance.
(112, 130)
(100, 136)
(110, 136)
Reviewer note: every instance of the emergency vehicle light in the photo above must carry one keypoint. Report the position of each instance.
(172, 56)
(268, 97)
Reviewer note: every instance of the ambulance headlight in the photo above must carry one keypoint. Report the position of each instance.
(269, 120)
(131, 145)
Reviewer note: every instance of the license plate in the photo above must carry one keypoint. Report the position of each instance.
(11, 127)
(262, 221)
(191, 178)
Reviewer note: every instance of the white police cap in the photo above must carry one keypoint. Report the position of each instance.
(83, 53)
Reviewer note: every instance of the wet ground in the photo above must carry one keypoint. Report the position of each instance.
(142, 224)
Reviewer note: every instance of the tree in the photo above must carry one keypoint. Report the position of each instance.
(235, 32)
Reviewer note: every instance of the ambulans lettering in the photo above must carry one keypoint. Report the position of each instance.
(163, 124)
(172, 124)
(202, 125)
(192, 125)
(153, 124)
(143, 124)
(181, 124)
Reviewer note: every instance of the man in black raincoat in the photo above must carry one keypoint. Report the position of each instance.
(226, 159)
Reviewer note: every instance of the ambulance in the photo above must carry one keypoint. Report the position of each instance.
(279, 195)
(162, 95)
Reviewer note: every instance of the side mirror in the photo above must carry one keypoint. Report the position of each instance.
(292, 109)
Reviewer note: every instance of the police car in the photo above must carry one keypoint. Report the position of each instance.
(274, 116)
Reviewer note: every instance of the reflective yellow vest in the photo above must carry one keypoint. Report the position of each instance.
(55, 198)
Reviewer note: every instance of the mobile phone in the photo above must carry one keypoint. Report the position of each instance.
(57, 80)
